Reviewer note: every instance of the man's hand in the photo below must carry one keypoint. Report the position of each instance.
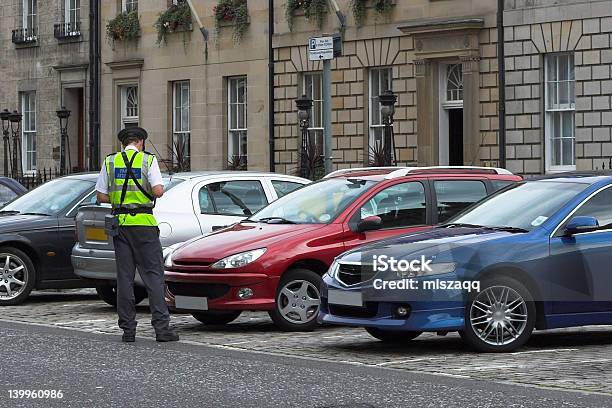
(158, 191)
(102, 198)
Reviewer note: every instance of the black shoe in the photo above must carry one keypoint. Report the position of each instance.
(128, 337)
(169, 335)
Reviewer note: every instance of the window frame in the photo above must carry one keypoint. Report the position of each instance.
(185, 132)
(374, 105)
(315, 130)
(28, 108)
(69, 10)
(29, 17)
(124, 117)
(242, 133)
(129, 5)
(550, 112)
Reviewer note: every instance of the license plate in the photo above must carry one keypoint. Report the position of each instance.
(191, 302)
(95, 234)
(346, 298)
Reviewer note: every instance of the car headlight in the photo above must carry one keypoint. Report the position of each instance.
(238, 260)
(167, 254)
(432, 269)
(332, 271)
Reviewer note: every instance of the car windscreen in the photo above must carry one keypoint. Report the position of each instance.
(316, 203)
(51, 198)
(524, 206)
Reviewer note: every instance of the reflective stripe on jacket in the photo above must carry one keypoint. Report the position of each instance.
(134, 198)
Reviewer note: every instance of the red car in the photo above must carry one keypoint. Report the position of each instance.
(274, 260)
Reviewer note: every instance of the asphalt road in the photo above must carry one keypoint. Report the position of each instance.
(97, 370)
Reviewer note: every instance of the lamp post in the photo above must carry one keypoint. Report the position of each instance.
(387, 108)
(4, 117)
(304, 104)
(15, 119)
(63, 114)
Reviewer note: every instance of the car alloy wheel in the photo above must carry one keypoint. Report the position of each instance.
(498, 315)
(14, 276)
(299, 301)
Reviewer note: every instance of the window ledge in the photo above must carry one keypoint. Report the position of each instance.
(225, 23)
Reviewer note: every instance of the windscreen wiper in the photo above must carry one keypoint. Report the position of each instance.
(461, 225)
(9, 212)
(508, 228)
(35, 213)
(276, 220)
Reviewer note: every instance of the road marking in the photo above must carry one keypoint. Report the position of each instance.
(544, 351)
(83, 321)
(409, 361)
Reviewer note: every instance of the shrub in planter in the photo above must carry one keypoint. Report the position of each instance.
(232, 11)
(382, 7)
(124, 27)
(313, 10)
(176, 17)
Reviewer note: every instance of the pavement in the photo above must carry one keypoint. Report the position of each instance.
(70, 340)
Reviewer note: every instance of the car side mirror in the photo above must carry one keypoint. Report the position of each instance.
(371, 223)
(581, 224)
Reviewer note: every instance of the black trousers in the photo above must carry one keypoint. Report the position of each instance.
(139, 247)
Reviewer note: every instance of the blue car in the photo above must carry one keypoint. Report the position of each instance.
(535, 255)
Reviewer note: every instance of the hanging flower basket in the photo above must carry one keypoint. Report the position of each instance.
(234, 13)
(176, 18)
(314, 10)
(124, 27)
(359, 7)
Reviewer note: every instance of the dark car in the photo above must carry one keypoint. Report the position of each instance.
(37, 233)
(10, 189)
(536, 255)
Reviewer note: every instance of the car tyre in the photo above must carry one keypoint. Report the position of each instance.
(108, 293)
(392, 336)
(298, 299)
(501, 317)
(18, 277)
(216, 317)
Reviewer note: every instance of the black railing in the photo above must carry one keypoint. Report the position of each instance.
(67, 30)
(35, 178)
(24, 36)
(603, 165)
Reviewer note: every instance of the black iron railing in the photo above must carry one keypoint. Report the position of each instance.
(67, 30)
(24, 35)
(35, 178)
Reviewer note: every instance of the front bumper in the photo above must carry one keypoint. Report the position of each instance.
(221, 289)
(435, 315)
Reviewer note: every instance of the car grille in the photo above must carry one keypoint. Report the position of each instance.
(209, 290)
(352, 274)
(370, 310)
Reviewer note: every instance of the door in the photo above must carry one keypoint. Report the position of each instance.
(402, 208)
(223, 203)
(582, 263)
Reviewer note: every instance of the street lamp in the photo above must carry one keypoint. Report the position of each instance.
(387, 109)
(15, 119)
(304, 105)
(4, 117)
(63, 114)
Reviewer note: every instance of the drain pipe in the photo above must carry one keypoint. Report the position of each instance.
(501, 68)
(271, 84)
(94, 85)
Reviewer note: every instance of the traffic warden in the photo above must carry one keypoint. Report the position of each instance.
(130, 180)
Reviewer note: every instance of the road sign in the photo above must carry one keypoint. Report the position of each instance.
(321, 48)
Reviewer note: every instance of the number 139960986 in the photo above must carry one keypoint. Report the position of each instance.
(36, 394)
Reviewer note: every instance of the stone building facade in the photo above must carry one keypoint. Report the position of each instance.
(207, 97)
(44, 48)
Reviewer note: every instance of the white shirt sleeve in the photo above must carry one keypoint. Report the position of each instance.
(154, 175)
(102, 183)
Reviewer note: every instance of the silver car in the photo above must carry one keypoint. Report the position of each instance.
(194, 204)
